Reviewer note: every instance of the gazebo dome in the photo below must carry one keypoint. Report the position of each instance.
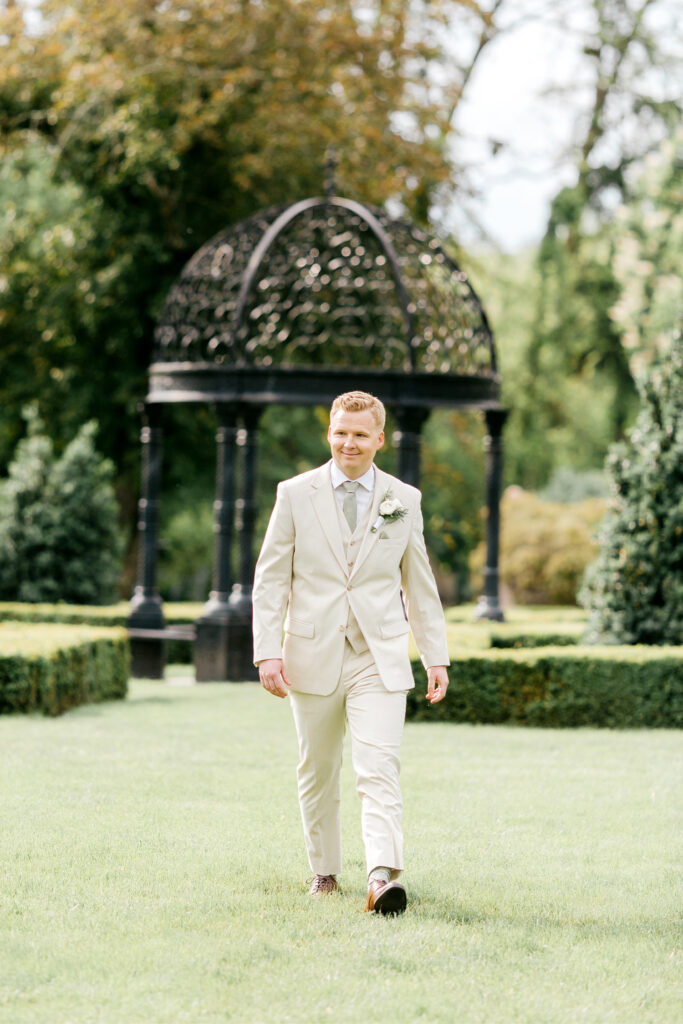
(322, 286)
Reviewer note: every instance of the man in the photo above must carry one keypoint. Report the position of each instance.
(344, 557)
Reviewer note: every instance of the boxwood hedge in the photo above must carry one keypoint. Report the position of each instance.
(51, 668)
(618, 687)
(91, 614)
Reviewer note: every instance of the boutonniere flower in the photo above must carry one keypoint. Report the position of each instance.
(389, 510)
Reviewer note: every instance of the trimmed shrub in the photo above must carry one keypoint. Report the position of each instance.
(483, 635)
(178, 652)
(52, 668)
(59, 521)
(93, 615)
(544, 547)
(616, 687)
(634, 590)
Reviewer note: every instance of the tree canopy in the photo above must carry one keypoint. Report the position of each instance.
(131, 131)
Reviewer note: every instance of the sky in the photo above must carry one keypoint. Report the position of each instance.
(507, 100)
(529, 91)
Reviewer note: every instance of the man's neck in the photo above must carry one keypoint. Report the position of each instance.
(367, 479)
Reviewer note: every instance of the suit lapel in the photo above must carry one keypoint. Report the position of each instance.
(324, 505)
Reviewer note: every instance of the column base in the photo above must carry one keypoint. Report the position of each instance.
(488, 608)
(223, 649)
(147, 657)
(147, 653)
(146, 611)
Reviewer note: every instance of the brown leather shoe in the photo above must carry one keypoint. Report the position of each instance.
(322, 885)
(386, 898)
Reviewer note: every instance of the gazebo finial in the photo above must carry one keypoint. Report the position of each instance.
(330, 171)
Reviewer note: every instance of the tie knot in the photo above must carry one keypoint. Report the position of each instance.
(350, 485)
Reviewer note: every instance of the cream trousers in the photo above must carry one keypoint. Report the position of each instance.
(375, 717)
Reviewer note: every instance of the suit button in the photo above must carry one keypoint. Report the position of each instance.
(349, 587)
(349, 564)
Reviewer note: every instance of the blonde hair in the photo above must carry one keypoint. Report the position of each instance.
(360, 401)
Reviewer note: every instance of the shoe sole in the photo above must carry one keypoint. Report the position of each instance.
(392, 901)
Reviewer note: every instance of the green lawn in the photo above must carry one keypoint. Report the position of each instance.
(152, 870)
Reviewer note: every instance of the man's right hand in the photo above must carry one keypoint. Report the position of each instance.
(273, 677)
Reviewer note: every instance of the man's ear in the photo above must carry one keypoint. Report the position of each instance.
(381, 439)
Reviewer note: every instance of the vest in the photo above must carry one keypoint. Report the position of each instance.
(352, 543)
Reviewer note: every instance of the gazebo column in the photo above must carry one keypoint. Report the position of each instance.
(488, 606)
(240, 636)
(409, 439)
(148, 653)
(211, 643)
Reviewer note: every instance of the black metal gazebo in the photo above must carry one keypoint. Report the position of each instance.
(293, 306)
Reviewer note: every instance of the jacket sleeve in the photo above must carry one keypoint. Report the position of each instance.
(423, 604)
(272, 580)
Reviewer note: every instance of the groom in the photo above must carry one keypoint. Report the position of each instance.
(344, 557)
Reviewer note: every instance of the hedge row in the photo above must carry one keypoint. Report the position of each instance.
(617, 687)
(91, 615)
(52, 668)
(482, 635)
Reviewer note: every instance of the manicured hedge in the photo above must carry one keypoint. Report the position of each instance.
(51, 668)
(510, 635)
(532, 626)
(92, 614)
(482, 635)
(175, 613)
(618, 687)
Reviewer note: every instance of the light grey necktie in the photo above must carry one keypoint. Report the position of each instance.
(350, 506)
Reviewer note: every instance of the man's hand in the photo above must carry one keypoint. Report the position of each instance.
(437, 683)
(273, 677)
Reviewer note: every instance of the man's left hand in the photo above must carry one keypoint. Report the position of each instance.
(437, 683)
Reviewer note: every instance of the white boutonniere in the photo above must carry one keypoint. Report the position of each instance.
(389, 510)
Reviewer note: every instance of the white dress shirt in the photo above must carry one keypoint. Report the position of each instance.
(363, 494)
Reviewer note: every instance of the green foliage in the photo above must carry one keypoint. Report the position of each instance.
(577, 379)
(634, 589)
(567, 484)
(74, 300)
(560, 408)
(523, 627)
(544, 547)
(615, 687)
(452, 485)
(52, 668)
(648, 235)
(187, 551)
(59, 522)
(91, 615)
(130, 133)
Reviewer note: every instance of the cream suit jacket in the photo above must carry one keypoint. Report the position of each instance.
(302, 572)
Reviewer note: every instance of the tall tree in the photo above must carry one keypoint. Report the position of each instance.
(627, 106)
(132, 130)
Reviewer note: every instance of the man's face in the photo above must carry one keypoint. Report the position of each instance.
(354, 438)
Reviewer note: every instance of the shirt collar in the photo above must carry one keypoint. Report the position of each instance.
(367, 480)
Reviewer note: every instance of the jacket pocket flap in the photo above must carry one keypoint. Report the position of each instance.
(299, 627)
(397, 627)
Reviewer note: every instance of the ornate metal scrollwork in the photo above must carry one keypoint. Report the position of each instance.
(326, 282)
